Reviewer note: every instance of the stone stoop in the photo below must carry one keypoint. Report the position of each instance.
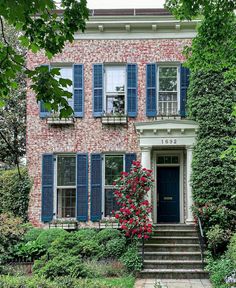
(173, 252)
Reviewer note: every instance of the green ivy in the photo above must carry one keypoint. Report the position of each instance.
(210, 102)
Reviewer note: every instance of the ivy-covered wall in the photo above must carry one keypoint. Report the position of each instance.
(210, 102)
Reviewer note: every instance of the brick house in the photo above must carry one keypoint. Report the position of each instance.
(129, 95)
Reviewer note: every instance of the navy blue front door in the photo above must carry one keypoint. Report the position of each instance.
(168, 194)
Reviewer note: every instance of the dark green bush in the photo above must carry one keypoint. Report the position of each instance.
(61, 265)
(14, 192)
(47, 236)
(89, 248)
(86, 234)
(12, 230)
(217, 238)
(232, 249)
(131, 259)
(115, 248)
(210, 102)
(108, 234)
(32, 234)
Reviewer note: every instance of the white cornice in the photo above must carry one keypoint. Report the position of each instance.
(137, 27)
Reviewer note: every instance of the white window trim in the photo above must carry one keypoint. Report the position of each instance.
(178, 82)
(103, 178)
(104, 85)
(55, 216)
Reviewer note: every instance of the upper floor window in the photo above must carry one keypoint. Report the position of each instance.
(115, 87)
(168, 90)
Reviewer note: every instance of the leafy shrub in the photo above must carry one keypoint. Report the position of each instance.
(232, 249)
(61, 265)
(12, 230)
(131, 259)
(219, 270)
(32, 234)
(14, 192)
(115, 248)
(30, 250)
(108, 234)
(216, 238)
(88, 248)
(86, 234)
(48, 236)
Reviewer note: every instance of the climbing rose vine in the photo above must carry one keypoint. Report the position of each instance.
(131, 195)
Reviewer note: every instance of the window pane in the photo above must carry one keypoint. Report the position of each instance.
(66, 73)
(168, 103)
(115, 104)
(160, 160)
(110, 202)
(66, 170)
(66, 203)
(115, 79)
(168, 79)
(113, 168)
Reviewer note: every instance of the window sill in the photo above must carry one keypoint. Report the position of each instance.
(114, 119)
(65, 226)
(58, 121)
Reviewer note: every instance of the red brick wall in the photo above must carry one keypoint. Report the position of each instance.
(88, 134)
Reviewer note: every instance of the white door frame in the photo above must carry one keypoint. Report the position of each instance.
(178, 153)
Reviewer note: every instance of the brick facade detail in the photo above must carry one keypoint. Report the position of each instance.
(89, 134)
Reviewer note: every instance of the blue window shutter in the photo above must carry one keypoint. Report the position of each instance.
(132, 89)
(96, 187)
(97, 90)
(47, 187)
(129, 158)
(43, 112)
(82, 187)
(151, 90)
(184, 83)
(78, 71)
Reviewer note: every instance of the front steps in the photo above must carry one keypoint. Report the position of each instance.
(173, 253)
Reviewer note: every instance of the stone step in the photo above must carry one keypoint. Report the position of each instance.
(176, 233)
(172, 264)
(172, 256)
(171, 248)
(174, 227)
(173, 240)
(173, 274)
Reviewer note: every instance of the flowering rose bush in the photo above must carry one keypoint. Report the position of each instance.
(131, 195)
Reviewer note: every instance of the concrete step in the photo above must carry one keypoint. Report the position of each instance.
(173, 240)
(171, 248)
(176, 233)
(172, 256)
(172, 264)
(174, 227)
(173, 274)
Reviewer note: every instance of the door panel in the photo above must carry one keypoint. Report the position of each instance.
(168, 194)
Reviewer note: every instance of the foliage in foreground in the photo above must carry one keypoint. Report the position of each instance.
(14, 192)
(64, 282)
(223, 270)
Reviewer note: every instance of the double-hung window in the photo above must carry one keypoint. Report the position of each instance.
(114, 165)
(115, 88)
(65, 194)
(66, 72)
(168, 90)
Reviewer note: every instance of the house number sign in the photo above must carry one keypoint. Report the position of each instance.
(169, 141)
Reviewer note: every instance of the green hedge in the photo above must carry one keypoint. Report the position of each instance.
(14, 192)
(210, 102)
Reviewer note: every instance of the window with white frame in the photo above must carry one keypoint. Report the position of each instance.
(168, 90)
(115, 86)
(66, 186)
(114, 165)
(66, 72)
